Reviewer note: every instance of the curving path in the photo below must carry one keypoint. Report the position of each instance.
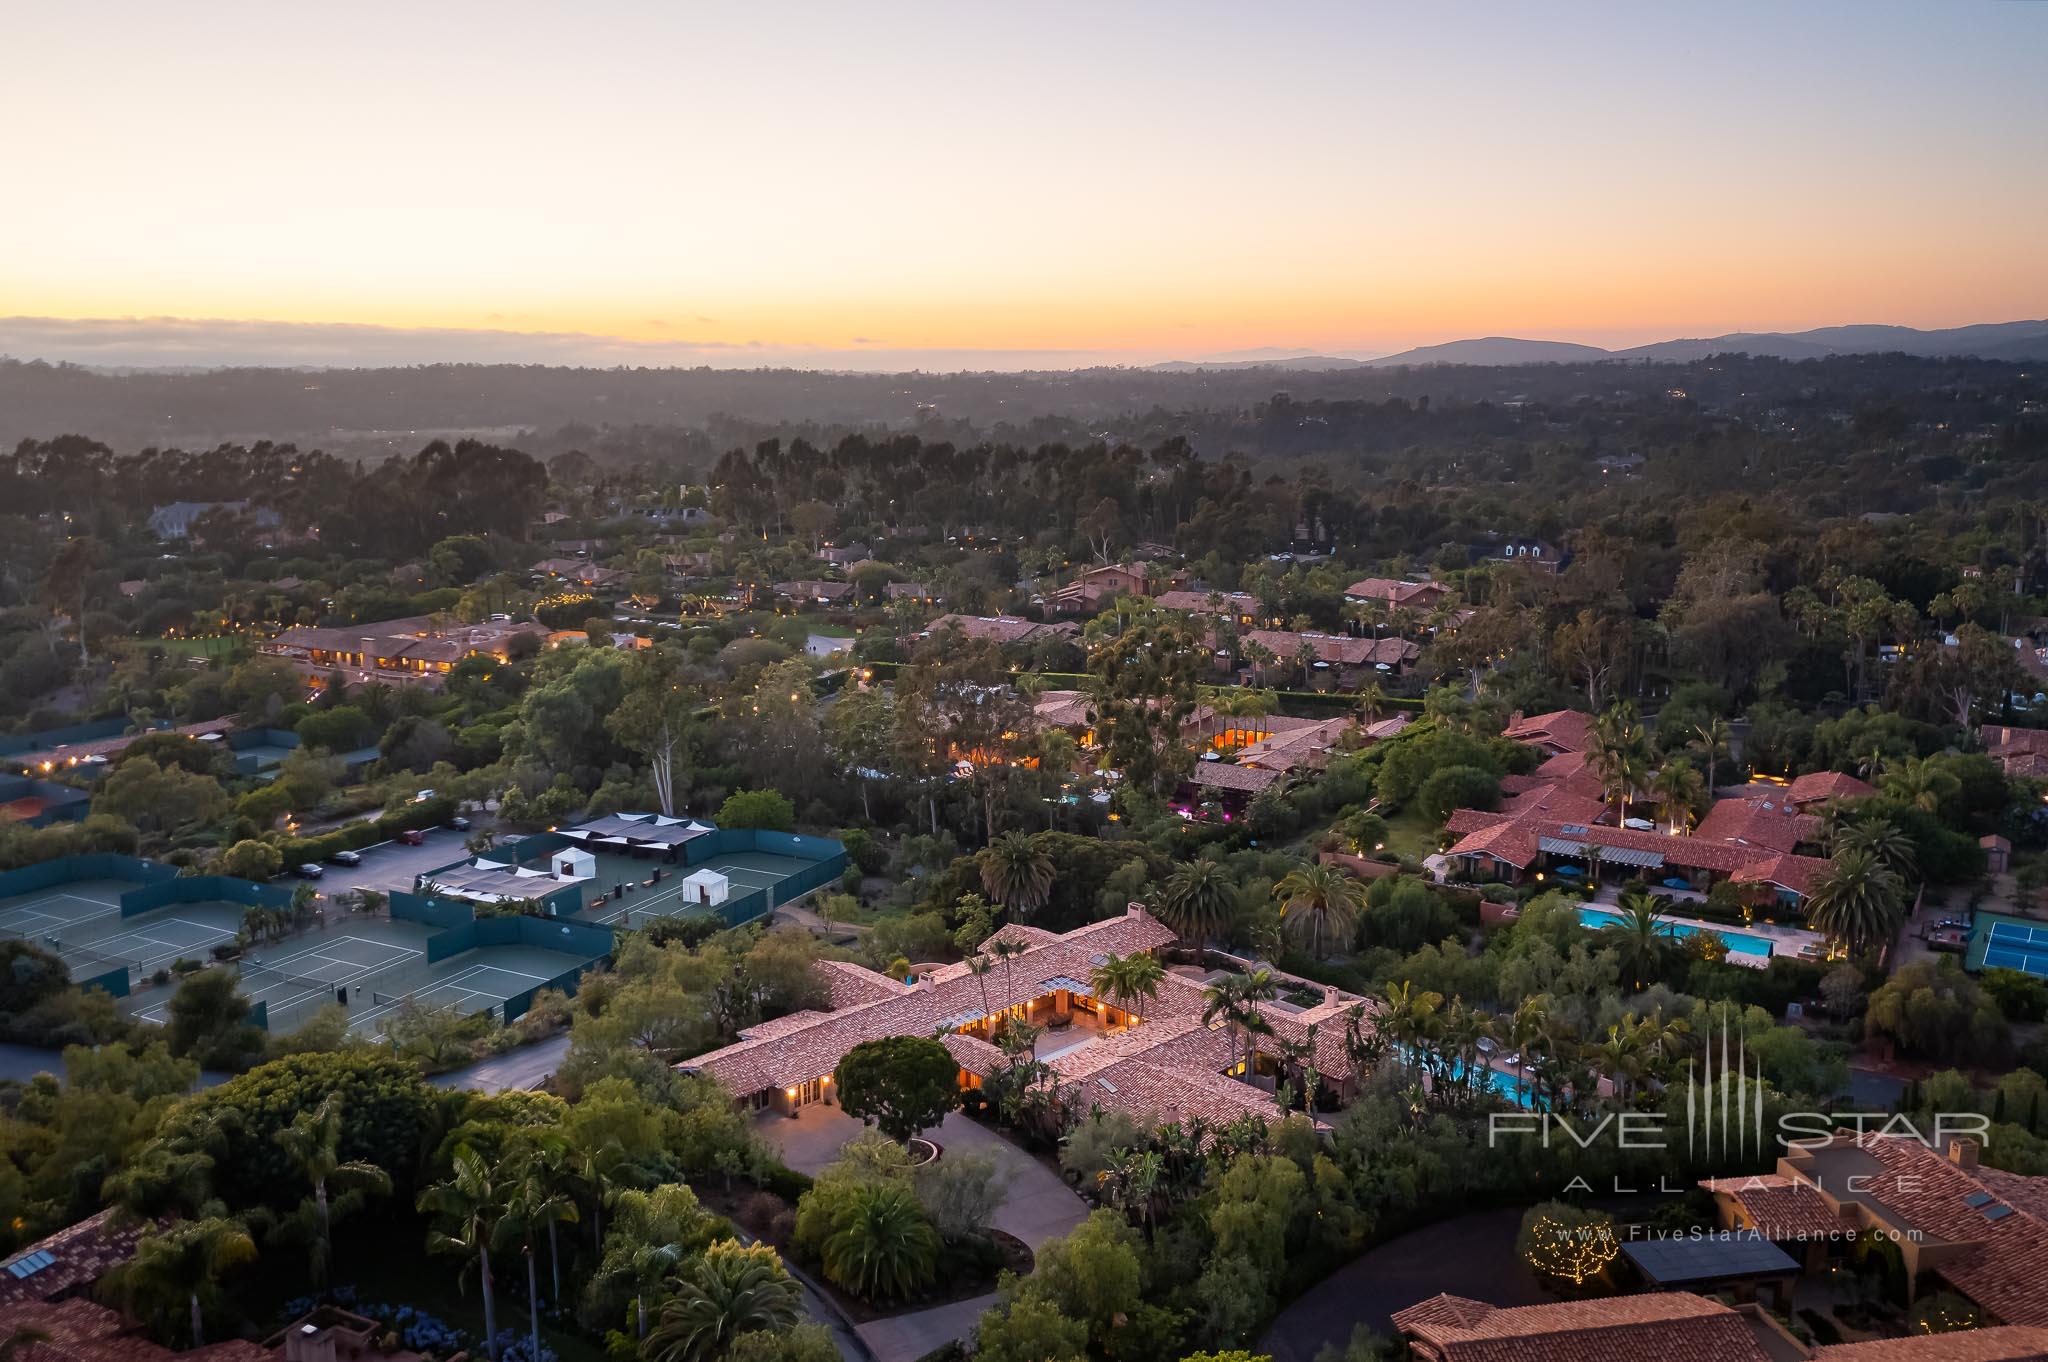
(1467, 1255)
(1038, 1206)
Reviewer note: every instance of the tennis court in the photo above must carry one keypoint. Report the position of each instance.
(152, 941)
(746, 871)
(60, 909)
(299, 979)
(2012, 944)
(477, 980)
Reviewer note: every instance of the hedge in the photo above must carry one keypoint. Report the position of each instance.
(430, 814)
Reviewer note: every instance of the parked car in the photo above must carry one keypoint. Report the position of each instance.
(459, 823)
(412, 837)
(347, 858)
(309, 871)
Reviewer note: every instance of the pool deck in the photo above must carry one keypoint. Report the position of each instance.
(1794, 943)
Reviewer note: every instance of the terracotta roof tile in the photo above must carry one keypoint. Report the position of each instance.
(1780, 1207)
(2005, 1343)
(1671, 1326)
(1820, 786)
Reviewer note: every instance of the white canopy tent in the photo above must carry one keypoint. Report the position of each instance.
(706, 886)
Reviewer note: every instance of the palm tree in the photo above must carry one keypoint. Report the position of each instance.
(881, 1246)
(1881, 838)
(1859, 900)
(1620, 753)
(1372, 702)
(1127, 979)
(653, 1231)
(1620, 1057)
(1198, 900)
(180, 1265)
(1006, 949)
(731, 1290)
(468, 1206)
(1526, 1029)
(1233, 1000)
(1260, 657)
(979, 966)
(1682, 792)
(1016, 871)
(1641, 936)
(1315, 899)
(1919, 782)
(1711, 738)
(1406, 1014)
(533, 1205)
(313, 1143)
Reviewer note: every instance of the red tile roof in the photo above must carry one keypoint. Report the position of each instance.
(79, 1331)
(1800, 874)
(1002, 629)
(1166, 1067)
(1339, 650)
(1393, 592)
(1820, 786)
(2004, 1343)
(1670, 1326)
(1768, 824)
(81, 1254)
(1221, 775)
(944, 997)
(1780, 1207)
(1197, 602)
(1567, 730)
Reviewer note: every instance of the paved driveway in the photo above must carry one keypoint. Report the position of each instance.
(391, 866)
(1037, 1206)
(1467, 1255)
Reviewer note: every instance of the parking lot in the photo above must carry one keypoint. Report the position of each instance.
(391, 866)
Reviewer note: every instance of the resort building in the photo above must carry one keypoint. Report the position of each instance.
(1004, 630)
(1341, 661)
(420, 650)
(1671, 1326)
(1154, 1058)
(1392, 594)
(1978, 1231)
(1235, 605)
(1560, 820)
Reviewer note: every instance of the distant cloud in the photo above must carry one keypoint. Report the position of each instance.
(184, 342)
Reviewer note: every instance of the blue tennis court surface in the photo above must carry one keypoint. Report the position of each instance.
(2016, 945)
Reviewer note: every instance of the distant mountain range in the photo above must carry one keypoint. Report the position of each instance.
(1997, 340)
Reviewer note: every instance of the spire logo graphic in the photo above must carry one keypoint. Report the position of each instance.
(1724, 1101)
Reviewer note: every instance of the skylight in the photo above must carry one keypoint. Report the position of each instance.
(28, 1264)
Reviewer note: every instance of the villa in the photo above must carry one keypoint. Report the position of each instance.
(420, 650)
(1156, 1059)
(1559, 819)
(1396, 595)
(1978, 1231)
(1671, 1326)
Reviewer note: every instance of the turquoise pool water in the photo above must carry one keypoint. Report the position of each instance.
(1742, 943)
(1501, 1083)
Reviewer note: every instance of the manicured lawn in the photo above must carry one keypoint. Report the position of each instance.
(1411, 835)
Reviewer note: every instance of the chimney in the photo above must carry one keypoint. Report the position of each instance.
(308, 1342)
(1962, 1151)
(1330, 995)
(1134, 910)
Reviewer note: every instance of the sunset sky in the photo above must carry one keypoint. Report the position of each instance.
(1141, 181)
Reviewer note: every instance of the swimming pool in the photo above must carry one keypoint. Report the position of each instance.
(1501, 1083)
(1741, 943)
